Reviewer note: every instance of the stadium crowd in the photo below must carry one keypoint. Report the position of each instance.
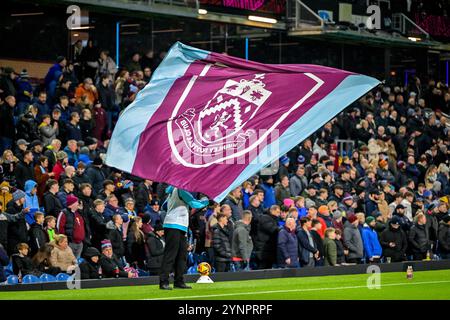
(62, 209)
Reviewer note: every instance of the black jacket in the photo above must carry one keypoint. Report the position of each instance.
(419, 239)
(135, 250)
(17, 230)
(339, 251)
(97, 225)
(89, 270)
(96, 177)
(116, 238)
(222, 244)
(23, 173)
(52, 204)
(318, 241)
(265, 244)
(7, 129)
(142, 197)
(444, 238)
(398, 237)
(38, 237)
(108, 266)
(24, 265)
(155, 252)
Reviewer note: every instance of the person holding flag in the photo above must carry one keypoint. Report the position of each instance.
(175, 229)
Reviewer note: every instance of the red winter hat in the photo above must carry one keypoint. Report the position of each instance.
(71, 199)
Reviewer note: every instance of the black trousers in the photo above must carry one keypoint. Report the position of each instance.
(175, 255)
(222, 266)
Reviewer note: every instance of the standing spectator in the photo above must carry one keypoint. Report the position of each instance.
(340, 250)
(62, 255)
(24, 170)
(235, 203)
(394, 241)
(52, 204)
(86, 92)
(134, 64)
(242, 244)
(282, 190)
(54, 75)
(86, 124)
(330, 248)
(37, 234)
(419, 238)
(62, 160)
(66, 191)
(17, 226)
(51, 153)
(265, 242)
(444, 237)
(97, 223)
(4, 261)
(7, 129)
(100, 118)
(269, 191)
(71, 223)
(50, 228)
(307, 247)
(298, 182)
(106, 65)
(222, 244)
(316, 227)
(7, 82)
(106, 96)
(42, 176)
(155, 243)
(31, 200)
(73, 128)
(372, 247)
(116, 236)
(352, 240)
(143, 195)
(287, 248)
(96, 175)
(136, 244)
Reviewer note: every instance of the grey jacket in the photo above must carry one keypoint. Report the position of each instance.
(353, 241)
(297, 185)
(48, 133)
(242, 244)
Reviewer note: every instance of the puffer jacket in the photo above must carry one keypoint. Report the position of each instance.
(62, 258)
(419, 239)
(222, 244)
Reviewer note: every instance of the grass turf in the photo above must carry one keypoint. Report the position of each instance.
(428, 285)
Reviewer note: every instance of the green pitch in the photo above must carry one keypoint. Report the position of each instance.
(432, 285)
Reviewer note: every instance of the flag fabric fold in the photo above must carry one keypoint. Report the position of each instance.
(206, 122)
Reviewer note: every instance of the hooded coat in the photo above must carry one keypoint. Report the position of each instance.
(31, 201)
(88, 268)
(372, 246)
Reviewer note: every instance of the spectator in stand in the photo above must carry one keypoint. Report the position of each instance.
(341, 252)
(394, 241)
(24, 170)
(7, 129)
(372, 247)
(242, 244)
(62, 255)
(22, 264)
(37, 236)
(135, 244)
(111, 265)
(287, 248)
(42, 176)
(316, 227)
(54, 76)
(419, 237)
(265, 242)
(307, 247)
(86, 91)
(96, 175)
(73, 128)
(115, 235)
(17, 226)
(235, 203)
(222, 244)
(282, 190)
(90, 267)
(72, 224)
(155, 244)
(353, 241)
(52, 204)
(41, 260)
(330, 253)
(31, 200)
(50, 228)
(66, 190)
(444, 237)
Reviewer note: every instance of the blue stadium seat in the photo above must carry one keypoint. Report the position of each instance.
(80, 260)
(29, 278)
(62, 277)
(192, 270)
(47, 278)
(12, 279)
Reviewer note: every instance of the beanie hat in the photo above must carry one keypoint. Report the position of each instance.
(284, 160)
(71, 199)
(370, 219)
(288, 202)
(106, 244)
(323, 209)
(347, 196)
(352, 218)
(18, 194)
(301, 159)
(337, 214)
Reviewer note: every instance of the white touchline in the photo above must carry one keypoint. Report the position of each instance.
(298, 290)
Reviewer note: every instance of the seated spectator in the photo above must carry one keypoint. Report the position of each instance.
(90, 267)
(42, 260)
(111, 264)
(287, 247)
(330, 248)
(22, 264)
(62, 255)
(372, 247)
(155, 244)
(37, 234)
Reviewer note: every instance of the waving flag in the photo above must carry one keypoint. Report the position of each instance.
(206, 122)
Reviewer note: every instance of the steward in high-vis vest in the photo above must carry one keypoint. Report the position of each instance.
(175, 226)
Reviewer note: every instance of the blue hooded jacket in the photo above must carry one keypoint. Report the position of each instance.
(372, 246)
(31, 201)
